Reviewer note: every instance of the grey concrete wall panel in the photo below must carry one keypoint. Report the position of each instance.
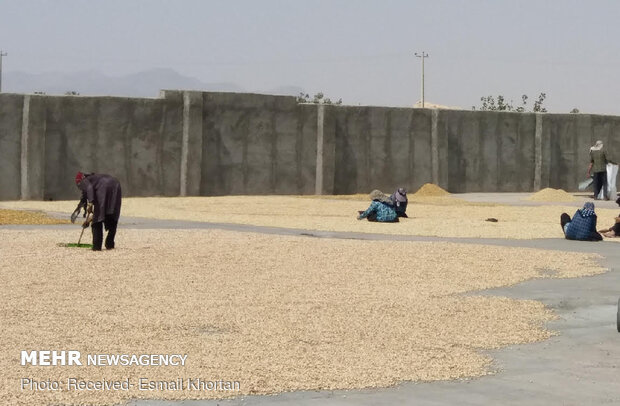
(462, 133)
(352, 135)
(329, 148)
(488, 152)
(305, 151)
(567, 139)
(485, 132)
(256, 144)
(613, 141)
(33, 155)
(381, 148)
(538, 152)
(380, 138)
(420, 149)
(170, 132)
(518, 149)
(70, 122)
(295, 148)
(406, 160)
(545, 167)
(320, 124)
(301, 125)
(563, 133)
(11, 106)
(440, 120)
(606, 129)
(587, 128)
(127, 138)
(191, 144)
(152, 148)
(435, 147)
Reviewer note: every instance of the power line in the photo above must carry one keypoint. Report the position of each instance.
(424, 55)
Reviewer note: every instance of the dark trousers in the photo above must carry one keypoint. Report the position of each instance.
(110, 224)
(373, 217)
(600, 182)
(595, 236)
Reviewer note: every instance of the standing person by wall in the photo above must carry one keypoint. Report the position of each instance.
(598, 168)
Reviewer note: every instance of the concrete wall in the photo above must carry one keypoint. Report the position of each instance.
(565, 146)
(255, 144)
(11, 106)
(136, 140)
(484, 151)
(195, 143)
(379, 148)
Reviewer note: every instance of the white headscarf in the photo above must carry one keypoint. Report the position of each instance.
(598, 146)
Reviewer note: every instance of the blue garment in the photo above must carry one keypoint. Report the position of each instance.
(385, 212)
(581, 226)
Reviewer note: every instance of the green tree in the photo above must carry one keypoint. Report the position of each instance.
(490, 103)
(318, 98)
(538, 108)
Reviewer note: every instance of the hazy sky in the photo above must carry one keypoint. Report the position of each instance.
(357, 50)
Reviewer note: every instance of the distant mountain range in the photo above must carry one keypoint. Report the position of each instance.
(142, 84)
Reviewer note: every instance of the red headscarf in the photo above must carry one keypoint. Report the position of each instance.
(78, 178)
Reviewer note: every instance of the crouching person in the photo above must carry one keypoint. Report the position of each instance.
(582, 226)
(613, 231)
(381, 209)
(102, 194)
(399, 199)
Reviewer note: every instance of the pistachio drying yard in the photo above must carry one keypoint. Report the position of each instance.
(243, 286)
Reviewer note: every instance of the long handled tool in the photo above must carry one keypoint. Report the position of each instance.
(83, 204)
(88, 218)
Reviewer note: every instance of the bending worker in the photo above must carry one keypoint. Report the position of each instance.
(101, 195)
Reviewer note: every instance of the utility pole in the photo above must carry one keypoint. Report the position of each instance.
(422, 56)
(1, 55)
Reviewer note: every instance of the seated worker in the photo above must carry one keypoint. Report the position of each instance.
(582, 226)
(101, 194)
(613, 231)
(381, 209)
(399, 199)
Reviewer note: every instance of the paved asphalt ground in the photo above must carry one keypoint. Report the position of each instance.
(580, 366)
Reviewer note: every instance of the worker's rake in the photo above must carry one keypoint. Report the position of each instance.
(79, 244)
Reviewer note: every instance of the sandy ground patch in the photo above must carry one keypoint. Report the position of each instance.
(275, 313)
(441, 216)
(27, 217)
(552, 195)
